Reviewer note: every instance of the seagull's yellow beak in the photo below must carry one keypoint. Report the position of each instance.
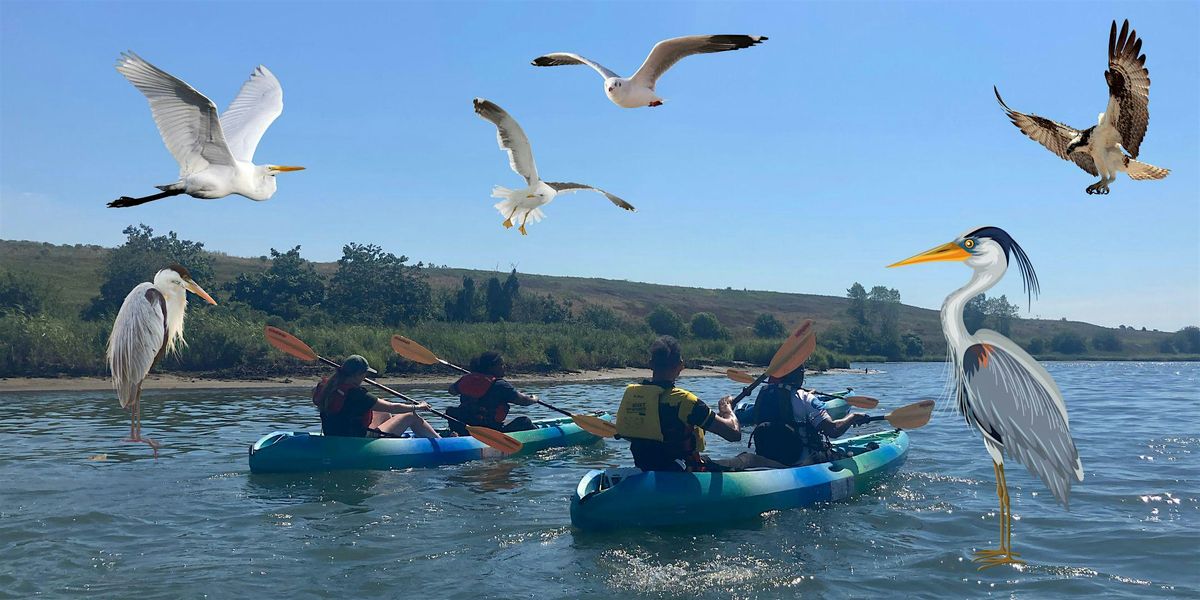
(947, 251)
(195, 288)
(284, 168)
(531, 195)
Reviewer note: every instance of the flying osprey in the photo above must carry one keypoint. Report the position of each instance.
(1097, 149)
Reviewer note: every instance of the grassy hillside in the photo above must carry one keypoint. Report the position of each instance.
(75, 272)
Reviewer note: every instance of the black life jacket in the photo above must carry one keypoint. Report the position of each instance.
(476, 407)
(334, 419)
(777, 435)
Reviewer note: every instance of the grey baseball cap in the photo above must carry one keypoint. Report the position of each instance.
(356, 364)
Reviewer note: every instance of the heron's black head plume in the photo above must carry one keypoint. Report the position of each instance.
(183, 272)
(1012, 249)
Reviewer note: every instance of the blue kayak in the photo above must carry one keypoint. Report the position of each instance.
(834, 405)
(617, 498)
(290, 452)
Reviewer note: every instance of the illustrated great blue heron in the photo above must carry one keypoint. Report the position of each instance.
(530, 200)
(1122, 125)
(149, 325)
(1002, 391)
(215, 154)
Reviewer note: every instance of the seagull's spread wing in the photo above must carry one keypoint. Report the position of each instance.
(511, 139)
(562, 187)
(569, 58)
(257, 105)
(186, 118)
(668, 52)
(1016, 404)
(1128, 87)
(138, 339)
(1055, 136)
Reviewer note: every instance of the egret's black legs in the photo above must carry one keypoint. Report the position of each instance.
(126, 201)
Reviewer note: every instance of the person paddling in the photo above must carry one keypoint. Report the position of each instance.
(485, 397)
(347, 409)
(665, 424)
(793, 426)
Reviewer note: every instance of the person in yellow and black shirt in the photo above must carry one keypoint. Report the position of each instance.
(665, 424)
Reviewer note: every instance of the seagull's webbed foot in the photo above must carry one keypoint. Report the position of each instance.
(522, 229)
(507, 223)
(656, 103)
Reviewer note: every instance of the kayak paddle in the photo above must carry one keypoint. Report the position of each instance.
(866, 402)
(420, 354)
(290, 344)
(908, 417)
(791, 354)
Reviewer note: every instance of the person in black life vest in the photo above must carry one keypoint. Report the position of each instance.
(665, 424)
(793, 427)
(348, 410)
(484, 397)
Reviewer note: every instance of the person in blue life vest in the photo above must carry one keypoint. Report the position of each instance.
(485, 397)
(665, 424)
(792, 426)
(348, 410)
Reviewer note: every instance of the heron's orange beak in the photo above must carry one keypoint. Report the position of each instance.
(285, 168)
(194, 288)
(947, 251)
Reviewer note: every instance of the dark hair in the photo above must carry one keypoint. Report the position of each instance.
(665, 354)
(795, 378)
(486, 362)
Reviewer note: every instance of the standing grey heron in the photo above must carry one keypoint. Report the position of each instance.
(1122, 125)
(1002, 391)
(215, 153)
(149, 325)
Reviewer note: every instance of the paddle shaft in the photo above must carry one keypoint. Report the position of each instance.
(391, 391)
(539, 401)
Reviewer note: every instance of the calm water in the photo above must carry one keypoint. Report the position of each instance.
(196, 523)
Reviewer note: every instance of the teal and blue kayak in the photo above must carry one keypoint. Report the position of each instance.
(835, 405)
(618, 498)
(291, 452)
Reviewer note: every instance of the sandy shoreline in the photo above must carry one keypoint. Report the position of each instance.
(177, 382)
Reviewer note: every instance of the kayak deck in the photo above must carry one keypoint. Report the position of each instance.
(631, 498)
(292, 452)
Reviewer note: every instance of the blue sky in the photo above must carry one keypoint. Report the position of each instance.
(858, 135)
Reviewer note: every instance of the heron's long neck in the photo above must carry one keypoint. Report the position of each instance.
(952, 310)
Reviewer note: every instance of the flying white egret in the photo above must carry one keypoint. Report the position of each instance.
(149, 325)
(1097, 149)
(215, 154)
(1002, 391)
(638, 90)
(538, 193)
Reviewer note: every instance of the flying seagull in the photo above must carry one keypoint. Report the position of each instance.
(1097, 149)
(638, 90)
(214, 153)
(538, 193)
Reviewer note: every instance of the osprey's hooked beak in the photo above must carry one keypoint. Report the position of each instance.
(283, 168)
(195, 288)
(947, 251)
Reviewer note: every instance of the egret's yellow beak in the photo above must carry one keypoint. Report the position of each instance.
(194, 288)
(947, 251)
(285, 168)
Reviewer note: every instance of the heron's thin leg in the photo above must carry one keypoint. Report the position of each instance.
(1005, 555)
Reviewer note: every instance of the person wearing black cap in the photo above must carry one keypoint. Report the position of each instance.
(484, 397)
(346, 408)
(793, 427)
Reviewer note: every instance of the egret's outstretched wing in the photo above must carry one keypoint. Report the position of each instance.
(668, 52)
(568, 58)
(257, 105)
(1128, 87)
(1016, 404)
(511, 138)
(139, 338)
(186, 118)
(1055, 136)
(563, 187)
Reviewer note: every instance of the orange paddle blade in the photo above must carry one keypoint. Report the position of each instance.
(739, 376)
(912, 416)
(413, 351)
(866, 402)
(793, 361)
(498, 440)
(289, 344)
(595, 425)
(789, 350)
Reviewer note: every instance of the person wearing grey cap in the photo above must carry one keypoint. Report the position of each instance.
(347, 409)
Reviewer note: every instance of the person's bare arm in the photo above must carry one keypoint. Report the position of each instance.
(388, 406)
(835, 429)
